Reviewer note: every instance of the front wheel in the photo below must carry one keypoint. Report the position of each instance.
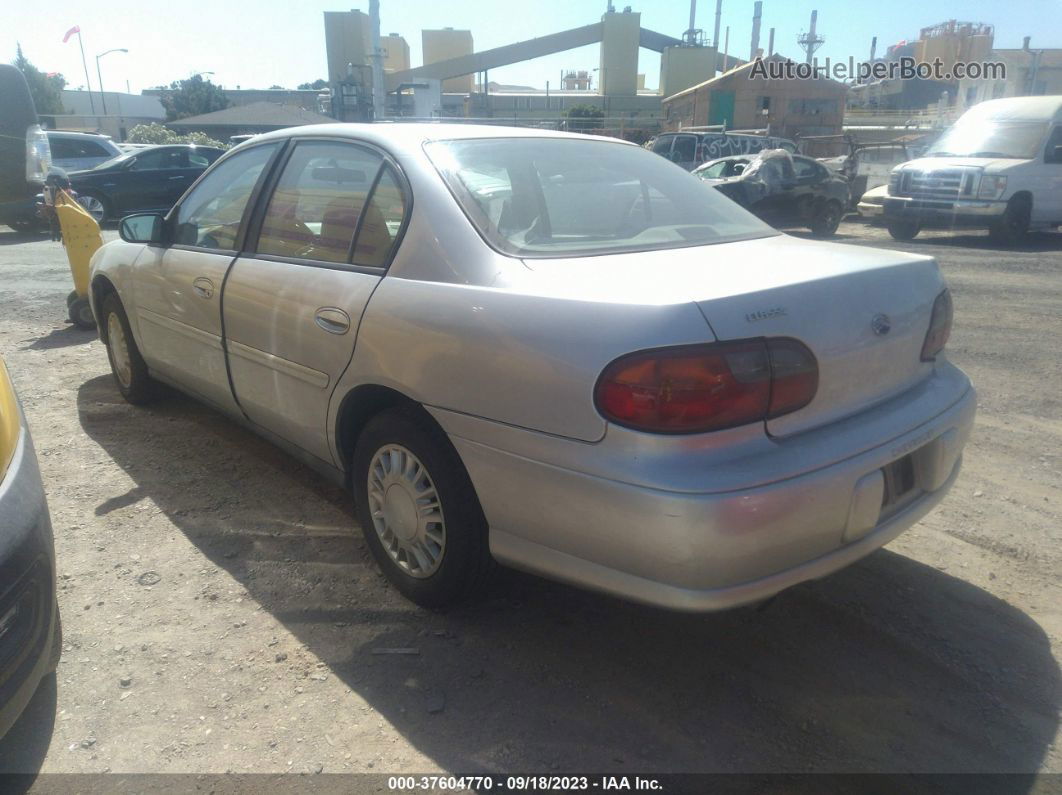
(903, 230)
(128, 366)
(826, 219)
(80, 312)
(418, 510)
(1011, 228)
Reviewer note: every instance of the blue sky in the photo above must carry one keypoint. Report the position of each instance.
(282, 42)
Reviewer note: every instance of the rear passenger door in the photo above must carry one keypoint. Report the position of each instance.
(293, 301)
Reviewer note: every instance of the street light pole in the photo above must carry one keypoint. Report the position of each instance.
(99, 74)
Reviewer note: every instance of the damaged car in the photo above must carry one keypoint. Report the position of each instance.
(783, 189)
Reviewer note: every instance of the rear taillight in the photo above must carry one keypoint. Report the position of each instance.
(939, 327)
(698, 388)
(38, 154)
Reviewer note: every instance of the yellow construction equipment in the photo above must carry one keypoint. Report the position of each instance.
(81, 237)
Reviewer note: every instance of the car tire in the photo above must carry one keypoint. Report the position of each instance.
(826, 219)
(403, 465)
(903, 230)
(80, 313)
(70, 298)
(127, 365)
(1011, 228)
(95, 204)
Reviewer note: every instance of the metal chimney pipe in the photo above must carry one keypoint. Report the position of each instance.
(770, 43)
(811, 35)
(718, 19)
(1025, 43)
(726, 47)
(693, 13)
(757, 12)
(873, 48)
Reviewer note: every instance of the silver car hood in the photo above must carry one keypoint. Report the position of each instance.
(827, 295)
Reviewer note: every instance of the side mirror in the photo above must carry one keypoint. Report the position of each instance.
(142, 228)
(1056, 155)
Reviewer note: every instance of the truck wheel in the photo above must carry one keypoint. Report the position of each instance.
(128, 366)
(81, 314)
(418, 510)
(1011, 228)
(903, 230)
(826, 219)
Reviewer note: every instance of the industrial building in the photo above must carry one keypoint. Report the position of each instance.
(1029, 72)
(742, 100)
(952, 41)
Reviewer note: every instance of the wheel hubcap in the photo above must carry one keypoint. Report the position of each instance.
(93, 205)
(406, 512)
(119, 350)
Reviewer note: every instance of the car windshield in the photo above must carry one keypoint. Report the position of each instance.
(1011, 139)
(555, 197)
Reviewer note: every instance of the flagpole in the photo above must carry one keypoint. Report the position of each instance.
(84, 64)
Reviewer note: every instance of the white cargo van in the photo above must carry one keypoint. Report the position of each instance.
(999, 167)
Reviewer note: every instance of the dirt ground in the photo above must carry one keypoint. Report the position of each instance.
(222, 614)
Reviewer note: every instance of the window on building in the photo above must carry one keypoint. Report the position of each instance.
(813, 107)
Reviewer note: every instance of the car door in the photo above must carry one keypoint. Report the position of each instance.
(293, 302)
(808, 177)
(178, 288)
(1049, 200)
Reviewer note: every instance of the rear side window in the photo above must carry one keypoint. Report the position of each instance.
(380, 222)
(210, 215)
(318, 200)
(685, 148)
(160, 160)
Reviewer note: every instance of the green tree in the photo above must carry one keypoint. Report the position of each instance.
(46, 89)
(316, 85)
(157, 134)
(584, 117)
(192, 97)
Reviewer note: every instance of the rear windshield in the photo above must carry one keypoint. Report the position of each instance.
(556, 197)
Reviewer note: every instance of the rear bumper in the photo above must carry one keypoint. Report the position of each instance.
(964, 212)
(708, 551)
(28, 613)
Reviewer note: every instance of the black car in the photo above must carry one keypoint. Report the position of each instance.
(146, 180)
(783, 189)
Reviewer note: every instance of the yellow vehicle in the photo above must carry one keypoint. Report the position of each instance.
(81, 236)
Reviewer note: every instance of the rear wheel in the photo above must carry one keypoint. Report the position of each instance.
(418, 510)
(826, 219)
(95, 204)
(128, 366)
(1011, 228)
(903, 230)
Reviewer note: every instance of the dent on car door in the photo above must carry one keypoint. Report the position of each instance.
(292, 308)
(178, 289)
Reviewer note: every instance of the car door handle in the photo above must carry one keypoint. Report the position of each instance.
(203, 287)
(332, 320)
(176, 178)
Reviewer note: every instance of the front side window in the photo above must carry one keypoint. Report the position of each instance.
(714, 171)
(685, 148)
(1053, 143)
(211, 214)
(662, 145)
(804, 169)
(557, 197)
(314, 210)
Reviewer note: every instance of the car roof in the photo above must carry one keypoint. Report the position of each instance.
(77, 134)
(413, 134)
(1017, 109)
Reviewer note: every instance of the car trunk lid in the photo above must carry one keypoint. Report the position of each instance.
(836, 299)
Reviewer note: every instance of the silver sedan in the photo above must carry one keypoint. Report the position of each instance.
(557, 352)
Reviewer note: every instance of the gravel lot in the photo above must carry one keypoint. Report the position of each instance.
(222, 614)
